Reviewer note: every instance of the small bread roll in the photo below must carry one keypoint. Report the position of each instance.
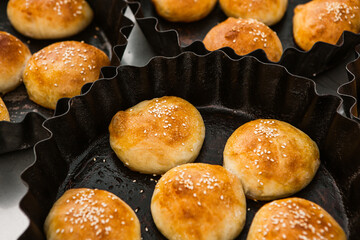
(325, 21)
(91, 214)
(272, 158)
(4, 114)
(60, 70)
(41, 19)
(293, 219)
(157, 135)
(199, 202)
(13, 58)
(269, 12)
(244, 36)
(183, 10)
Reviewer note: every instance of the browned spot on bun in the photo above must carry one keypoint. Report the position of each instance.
(4, 114)
(13, 58)
(49, 19)
(294, 218)
(267, 11)
(325, 21)
(158, 134)
(183, 10)
(244, 36)
(91, 214)
(272, 158)
(60, 70)
(199, 202)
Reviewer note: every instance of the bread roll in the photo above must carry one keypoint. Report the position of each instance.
(13, 58)
(325, 21)
(4, 114)
(272, 158)
(199, 202)
(91, 214)
(244, 36)
(183, 10)
(60, 70)
(294, 219)
(269, 12)
(49, 19)
(157, 135)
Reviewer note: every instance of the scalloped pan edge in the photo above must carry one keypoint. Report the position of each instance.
(349, 91)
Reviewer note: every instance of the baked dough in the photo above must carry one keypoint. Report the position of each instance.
(199, 202)
(272, 158)
(13, 58)
(183, 10)
(157, 135)
(244, 36)
(49, 19)
(325, 21)
(293, 219)
(269, 12)
(91, 214)
(60, 70)
(4, 114)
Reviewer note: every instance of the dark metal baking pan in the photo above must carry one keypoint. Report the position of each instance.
(169, 39)
(228, 93)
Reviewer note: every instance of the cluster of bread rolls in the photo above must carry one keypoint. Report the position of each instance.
(58, 70)
(246, 28)
(264, 159)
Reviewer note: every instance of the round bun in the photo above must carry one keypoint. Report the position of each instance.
(272, 158)
(60, 70)
(267, 11)
(199, 202)
(157, 135)
(13, 58)
(91, 214)
(53, 19)
(325, 21)
(294, 218)
(4, 114)
(183, 10)
(244, 36)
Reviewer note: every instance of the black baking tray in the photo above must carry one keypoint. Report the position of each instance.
(170, 39)
(227, 93)
(26, 116)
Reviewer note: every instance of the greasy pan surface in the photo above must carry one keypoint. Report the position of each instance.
(228, 93)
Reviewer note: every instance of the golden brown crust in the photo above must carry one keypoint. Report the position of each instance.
(324, 20)
(60, 70)
(183, 10)
(199, 202)
(293, 219)
(4, 114)
(244, 36)
(91, 214)
(272, 158)
(267, 11)
(13, 57)
(49, 19)
(156, 135)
